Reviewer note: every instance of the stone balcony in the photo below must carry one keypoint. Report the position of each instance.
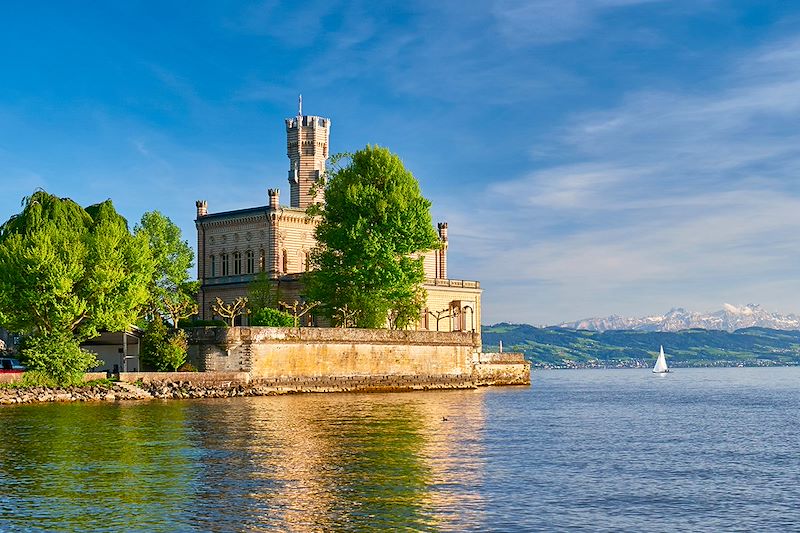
(454, 283)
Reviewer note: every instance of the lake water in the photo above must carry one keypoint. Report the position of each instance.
(599, 450)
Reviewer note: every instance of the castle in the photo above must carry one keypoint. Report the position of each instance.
(233, 246)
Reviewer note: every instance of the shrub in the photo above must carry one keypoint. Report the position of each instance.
(56, 359)
(271, 318)
(162, 350)
(174, 354)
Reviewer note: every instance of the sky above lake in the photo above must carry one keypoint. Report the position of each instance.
(591, 156)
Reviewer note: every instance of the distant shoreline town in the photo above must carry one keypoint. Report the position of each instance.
(559, 347)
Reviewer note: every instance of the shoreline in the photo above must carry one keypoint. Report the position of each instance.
(184, 390)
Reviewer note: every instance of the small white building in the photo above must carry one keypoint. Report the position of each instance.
(118, 350)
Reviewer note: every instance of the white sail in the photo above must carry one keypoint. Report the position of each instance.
(661, 363)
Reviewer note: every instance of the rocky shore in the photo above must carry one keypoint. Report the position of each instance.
(166, 390)
(180, 389)
(67, 394)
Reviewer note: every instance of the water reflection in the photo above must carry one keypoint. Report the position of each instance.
(75, 467)
(306, 463)
(294, 463)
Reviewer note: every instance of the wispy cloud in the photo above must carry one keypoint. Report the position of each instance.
(526, 22)
(677, 189)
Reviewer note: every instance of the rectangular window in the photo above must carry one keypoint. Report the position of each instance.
(250, 262)
(237, 264)
(213, 266)
(224, 258)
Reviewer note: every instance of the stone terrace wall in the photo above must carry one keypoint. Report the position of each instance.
(197, 378)
(323, 353)
(501, 369)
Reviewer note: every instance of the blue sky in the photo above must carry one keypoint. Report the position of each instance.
(591, 156)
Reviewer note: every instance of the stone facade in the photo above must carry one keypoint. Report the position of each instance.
(233, 246)
(353, 359)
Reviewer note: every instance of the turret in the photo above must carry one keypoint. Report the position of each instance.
(274, 198)
(307, 148)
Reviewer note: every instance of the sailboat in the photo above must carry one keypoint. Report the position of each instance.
(661, 364)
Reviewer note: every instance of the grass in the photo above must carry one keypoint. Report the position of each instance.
(33, 379)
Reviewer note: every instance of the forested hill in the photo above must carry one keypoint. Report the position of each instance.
(560, 347)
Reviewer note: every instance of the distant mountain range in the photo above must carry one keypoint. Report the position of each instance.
(556, 347)
(729, 318)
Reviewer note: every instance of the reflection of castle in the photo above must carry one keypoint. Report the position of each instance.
(232, 246)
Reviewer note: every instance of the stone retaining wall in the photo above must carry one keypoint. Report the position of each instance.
(501, 369)
(332, 352)
(198, 378)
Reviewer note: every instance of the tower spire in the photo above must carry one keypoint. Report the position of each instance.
(300, 106)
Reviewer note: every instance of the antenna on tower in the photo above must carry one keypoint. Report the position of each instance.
(300, 106)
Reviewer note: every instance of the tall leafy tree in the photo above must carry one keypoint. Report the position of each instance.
(261, 294)
(65, 274)
(171, 291)
(373, 227)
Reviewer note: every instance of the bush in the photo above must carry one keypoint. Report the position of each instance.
(174, 354)
(271, 318)
(162, 350)
(56, 359)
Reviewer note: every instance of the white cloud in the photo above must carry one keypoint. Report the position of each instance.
(697, 193)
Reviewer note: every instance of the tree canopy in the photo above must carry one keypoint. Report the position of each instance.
(373, 227)
(171, 292)
(66, 273)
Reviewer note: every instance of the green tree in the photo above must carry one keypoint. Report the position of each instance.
(65, 274)
(261, 294)
(162, 350)
(171, 291)
(374, 226)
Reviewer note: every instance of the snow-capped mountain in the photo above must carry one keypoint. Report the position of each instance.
(729, 318)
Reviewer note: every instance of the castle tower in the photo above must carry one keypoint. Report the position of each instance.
(307, 147)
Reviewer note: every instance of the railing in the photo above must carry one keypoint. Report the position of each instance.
(457, 283)
(245, 278)
(222, 280)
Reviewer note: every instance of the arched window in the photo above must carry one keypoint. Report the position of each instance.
(307, 257)
(213, 266)
(285, 262)
(261, 260)
(237, 263)
(224, 260)
(250, 262)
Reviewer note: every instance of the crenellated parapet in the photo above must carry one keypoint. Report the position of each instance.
(307, 138)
